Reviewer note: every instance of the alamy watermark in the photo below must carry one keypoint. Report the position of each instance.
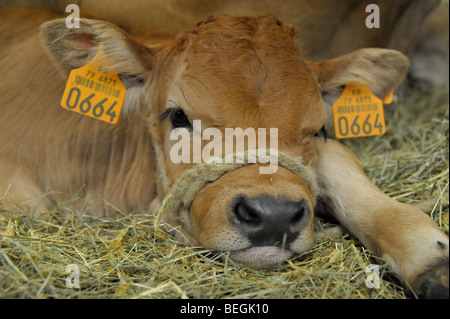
(73, 280)
(372, 276)
(256, 139)
(373, 19)
(73, 19)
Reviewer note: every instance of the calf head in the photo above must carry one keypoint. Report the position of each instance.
(231, 72)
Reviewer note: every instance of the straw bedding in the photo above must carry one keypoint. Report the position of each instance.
(127, 258)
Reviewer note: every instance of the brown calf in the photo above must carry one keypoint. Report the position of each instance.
(228, 72)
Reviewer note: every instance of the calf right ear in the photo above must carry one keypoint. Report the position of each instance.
(73, 48)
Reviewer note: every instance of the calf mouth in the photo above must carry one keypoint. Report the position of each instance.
(261, 257)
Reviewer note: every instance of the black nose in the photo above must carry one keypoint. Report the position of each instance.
(269, 221)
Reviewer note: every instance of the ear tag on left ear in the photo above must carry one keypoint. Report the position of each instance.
(358, 113)
(94, 92)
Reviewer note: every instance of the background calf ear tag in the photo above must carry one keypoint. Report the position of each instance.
(358, 113)
(93, 92)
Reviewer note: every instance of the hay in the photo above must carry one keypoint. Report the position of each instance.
(125, 258)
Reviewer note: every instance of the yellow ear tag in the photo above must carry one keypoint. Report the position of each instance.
(93, 92)
(389, 97)
(358, 113)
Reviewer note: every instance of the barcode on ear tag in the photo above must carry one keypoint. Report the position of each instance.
(358, 113)
(93, 92)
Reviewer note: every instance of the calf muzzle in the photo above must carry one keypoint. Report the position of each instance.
(265, 220)
(269, 221)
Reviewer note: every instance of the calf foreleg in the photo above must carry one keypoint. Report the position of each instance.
(415, 248)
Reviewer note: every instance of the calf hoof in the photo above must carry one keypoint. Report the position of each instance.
(434, 284)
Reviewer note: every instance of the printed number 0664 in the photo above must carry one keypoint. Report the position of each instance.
(355, 127)
(85, 106)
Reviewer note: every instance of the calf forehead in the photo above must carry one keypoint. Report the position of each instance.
(249, 68)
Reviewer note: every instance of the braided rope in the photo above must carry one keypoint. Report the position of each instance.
(179, 198)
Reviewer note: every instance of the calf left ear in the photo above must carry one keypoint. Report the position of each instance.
(381, 70)
(73, 48)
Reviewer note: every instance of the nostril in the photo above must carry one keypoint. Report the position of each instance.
(246, 214)
(298, 214)
(297, 217)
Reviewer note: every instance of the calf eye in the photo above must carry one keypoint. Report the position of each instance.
(322, 132)
(179, 119)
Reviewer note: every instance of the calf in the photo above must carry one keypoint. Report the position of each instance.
(227, 72)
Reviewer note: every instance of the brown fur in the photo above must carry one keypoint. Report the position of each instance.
(228, 72)
(329, 28)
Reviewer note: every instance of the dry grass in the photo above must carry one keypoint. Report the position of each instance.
(125, 258)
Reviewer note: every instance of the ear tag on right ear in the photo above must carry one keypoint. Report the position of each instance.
(93, 92)
(358, 113)
(389, 97)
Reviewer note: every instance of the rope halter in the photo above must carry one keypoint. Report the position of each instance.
(179, 198)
